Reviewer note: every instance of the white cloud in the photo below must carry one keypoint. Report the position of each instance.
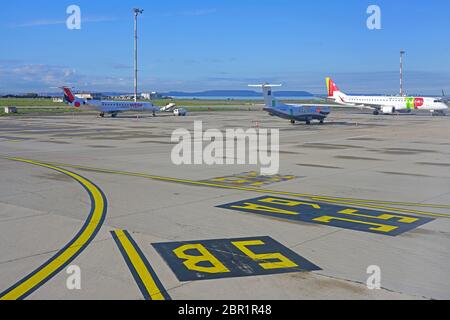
(18, 76)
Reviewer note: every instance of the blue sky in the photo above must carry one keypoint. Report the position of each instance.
(194, 45)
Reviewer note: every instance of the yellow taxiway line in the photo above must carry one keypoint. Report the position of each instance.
(382, 205)
(140, 268)
(65, 256)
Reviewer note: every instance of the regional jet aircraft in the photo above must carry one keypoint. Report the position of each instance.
(114, 107)
(387, 104)
(301, 113)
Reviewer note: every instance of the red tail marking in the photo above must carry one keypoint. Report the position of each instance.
(333, 88)
(69, 94)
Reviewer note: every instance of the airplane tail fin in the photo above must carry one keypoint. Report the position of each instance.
(333, 90)
(269, 99)
(70, 98)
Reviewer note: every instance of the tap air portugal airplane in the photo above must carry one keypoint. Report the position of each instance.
(301, 113)
(387, 104)
(116, 107)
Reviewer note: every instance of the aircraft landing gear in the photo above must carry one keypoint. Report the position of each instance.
(102, 115)
(438, 113)
(308, 122)
(114, 115)
(292, 121)
(376, 113)
(154, 114)
(322, 121)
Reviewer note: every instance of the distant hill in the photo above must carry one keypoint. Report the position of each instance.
(235, 93)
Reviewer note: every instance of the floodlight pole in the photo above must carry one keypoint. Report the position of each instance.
(401, 73)
(136, 12)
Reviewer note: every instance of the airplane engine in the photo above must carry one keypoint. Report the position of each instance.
(388, 110)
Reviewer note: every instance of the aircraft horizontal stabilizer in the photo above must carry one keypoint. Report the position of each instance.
(266, 85)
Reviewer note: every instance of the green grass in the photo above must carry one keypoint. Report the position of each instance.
(23, 102)
(34, 106)
(35, 110)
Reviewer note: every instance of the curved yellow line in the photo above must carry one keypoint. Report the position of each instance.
(29, 284)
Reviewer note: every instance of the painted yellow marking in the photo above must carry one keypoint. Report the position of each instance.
(261, 208)
(345, 201)
(402, 219)
(192, 262)
(375, 226)
(283, 262)
(31, 283)
(258, 184)
(139, 266)
(392, 203)
(12, 140)
(385, 208)
(289, 203)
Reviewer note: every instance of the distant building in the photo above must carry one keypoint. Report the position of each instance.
(151, 96)
(89, 96)
(122, 97)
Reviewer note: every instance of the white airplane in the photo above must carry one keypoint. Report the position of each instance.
(387, 104)
(114, 107)
(293, 112)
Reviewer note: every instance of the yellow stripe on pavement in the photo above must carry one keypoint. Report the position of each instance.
(58, 262)
(143, 273)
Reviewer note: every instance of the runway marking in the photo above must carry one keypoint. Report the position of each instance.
(332, 215)
(250, 179)
(231, 258)
(140, 268)
(65, 256)
(376, 204)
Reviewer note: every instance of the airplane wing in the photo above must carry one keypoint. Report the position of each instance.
(316, 105)
(358, 106)
(352, 105)
(370, 107)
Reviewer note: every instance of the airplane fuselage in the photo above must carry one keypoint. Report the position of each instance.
(299, 113)
(398, 103)
(106, 106)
